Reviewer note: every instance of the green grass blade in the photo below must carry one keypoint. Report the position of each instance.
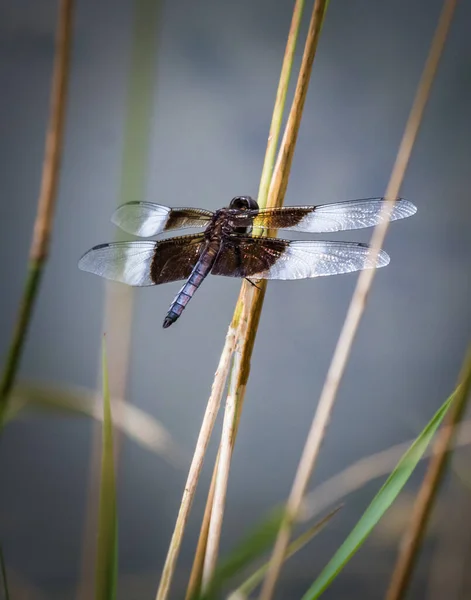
(4, 575)
(107, 553)
(380, 503)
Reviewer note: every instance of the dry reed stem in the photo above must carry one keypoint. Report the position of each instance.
(47, 197)
(357, 306)
(197, 464)
(280, 101)
(194, 583)
(422, 509)
(222, 471)
(448, 566)
(253, 298)
(257, 294)
(279, 182)
(251, 327)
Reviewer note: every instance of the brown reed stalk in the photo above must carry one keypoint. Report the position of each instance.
(231, 337)
(194, 583)
(47, 199)
(254, 298)
(356, 309)
(413, 535)
(196, 466)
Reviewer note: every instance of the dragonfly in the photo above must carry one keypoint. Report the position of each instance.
(234, 244)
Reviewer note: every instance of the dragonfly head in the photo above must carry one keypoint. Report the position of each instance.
(244, 203)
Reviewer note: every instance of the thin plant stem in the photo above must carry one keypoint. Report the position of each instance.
(280, 101)
(356, 309)
(47, 198)
(221, 376)
(251, 583)
(254, 297)
(196, 575)
(252, 324)
(411, 540)
(196, 465)
(222, 478)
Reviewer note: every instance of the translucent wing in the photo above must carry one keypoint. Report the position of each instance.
(144, 263)
(146, 219)
(327, 218)
(271, 258)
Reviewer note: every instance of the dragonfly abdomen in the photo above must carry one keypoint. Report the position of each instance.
(197, 276)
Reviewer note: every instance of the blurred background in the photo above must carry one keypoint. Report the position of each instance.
(214, 70)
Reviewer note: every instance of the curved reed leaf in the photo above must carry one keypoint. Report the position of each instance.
(75, 401)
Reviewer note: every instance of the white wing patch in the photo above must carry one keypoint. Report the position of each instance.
(127, 262)
(351, 214)
(144, 219)
(304, 259)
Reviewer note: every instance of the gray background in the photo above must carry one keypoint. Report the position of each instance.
(217, 71)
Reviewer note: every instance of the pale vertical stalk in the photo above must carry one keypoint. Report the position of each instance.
(422, 509)
(270, 153)
(357, 306)
(197, 464)
(222, 472)
(254, 297)
(47, 198)
(118, 304)
(196, 575)
(280, 101)
(250, 327)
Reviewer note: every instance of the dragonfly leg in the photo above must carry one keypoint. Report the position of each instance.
(252, 283)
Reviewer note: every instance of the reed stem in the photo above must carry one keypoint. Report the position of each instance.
(267, 169)
(413, 535)
(356, 309)
(196, 465)
(253, 298)
(47, 199)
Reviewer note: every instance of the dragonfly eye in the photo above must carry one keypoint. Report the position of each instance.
(244, 203)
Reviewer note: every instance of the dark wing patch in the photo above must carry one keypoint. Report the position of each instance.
(146, 218)
(175, 258)
(327, 218)
(144, 263)
(271, 258)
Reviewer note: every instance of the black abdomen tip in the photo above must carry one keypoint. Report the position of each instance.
(168, 321)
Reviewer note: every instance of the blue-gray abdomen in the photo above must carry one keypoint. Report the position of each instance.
(199, 272)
